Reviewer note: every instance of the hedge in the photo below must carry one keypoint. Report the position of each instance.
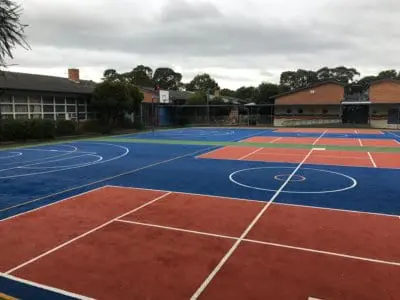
(23, 130)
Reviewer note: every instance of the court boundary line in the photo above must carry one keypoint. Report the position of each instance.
(228, 254)
(70, 241)
(372, 160)
(196, 232)
(317, 140)
(251, 153)
(295, 163)
(99, 181)
(45, 287)
(257, 201)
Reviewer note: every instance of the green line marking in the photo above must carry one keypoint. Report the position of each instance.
(245, 144)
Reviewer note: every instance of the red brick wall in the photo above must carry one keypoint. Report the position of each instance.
(385, 92)
(329, 93)
(148, 97)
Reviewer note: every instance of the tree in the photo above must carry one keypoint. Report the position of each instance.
(198, 98)
(113, 99)
(248, 93)
(265, 92)
(203, 82)
(388, 74)
(167, 79)
(12, 32)
(227, 93)
(110, 75)
(142, 76)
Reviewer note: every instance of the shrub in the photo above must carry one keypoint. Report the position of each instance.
(22, 130)
(65, 127)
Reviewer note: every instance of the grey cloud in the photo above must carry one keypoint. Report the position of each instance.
(207, 34)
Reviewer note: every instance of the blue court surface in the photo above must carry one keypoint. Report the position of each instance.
(237, 134)
(34, 176)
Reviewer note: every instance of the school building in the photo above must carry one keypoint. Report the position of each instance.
(32, 96)
(331, 102)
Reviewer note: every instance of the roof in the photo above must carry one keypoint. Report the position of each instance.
(385, 80)
(331, 81)
(35, 82)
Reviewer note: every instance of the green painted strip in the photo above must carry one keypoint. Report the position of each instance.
(245, 144)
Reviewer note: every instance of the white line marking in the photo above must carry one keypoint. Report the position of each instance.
(59, 151)
(251, 153)
(319, 149)
(84, 234)
(45, 287)
(317, 140)
(246, 231)
(355, 131)
(257, 201)
(275, 140)
(396, 135)
(392, 263)
(177, 229)
(101, 180)
(264, 243)
(361, 144)
(50, 204)
(372, 160)
(312, 298)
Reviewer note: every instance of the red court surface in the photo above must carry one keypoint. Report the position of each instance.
(325, 141)
(330, 130)
(323, 157)
(148, 244)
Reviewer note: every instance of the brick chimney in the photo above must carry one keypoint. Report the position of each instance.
(73, 74)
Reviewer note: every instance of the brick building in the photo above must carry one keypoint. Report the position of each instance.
(332, 102)
(316, 102)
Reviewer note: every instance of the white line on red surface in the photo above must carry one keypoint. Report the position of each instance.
(214, 272)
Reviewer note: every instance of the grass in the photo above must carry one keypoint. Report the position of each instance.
(245, 144)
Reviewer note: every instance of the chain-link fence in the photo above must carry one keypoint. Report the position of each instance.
(161, 115)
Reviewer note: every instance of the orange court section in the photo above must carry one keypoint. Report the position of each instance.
(128, 243)
(319, 157)
(258, 271)
(325, 141)
(33, 233)
(330, 130)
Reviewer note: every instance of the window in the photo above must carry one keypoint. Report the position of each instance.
(35, 100)
(36, 116)
(300, 111)
(71, 109)
(36, 108)
(21, 117)
(48, 100)
(324, 111)
(48, 116)
(21, 108)
(71, 100)
(48, 108)
(60, 100)
(289, 111)
(5, 99)
(20, 99)
(6, 108)
(60, 108)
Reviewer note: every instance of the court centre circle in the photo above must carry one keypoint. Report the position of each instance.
(334, 181)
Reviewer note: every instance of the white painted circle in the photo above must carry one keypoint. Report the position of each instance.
(351, 186)
(284, 177)
(14, 154)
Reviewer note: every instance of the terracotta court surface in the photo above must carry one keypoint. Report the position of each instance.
(331, 130)
(321, 157)
(325, 141)
(169, 245)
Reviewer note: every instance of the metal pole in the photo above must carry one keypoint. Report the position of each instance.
(152, 114)
(208, 108)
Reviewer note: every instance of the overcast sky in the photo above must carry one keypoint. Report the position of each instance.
(238, 42)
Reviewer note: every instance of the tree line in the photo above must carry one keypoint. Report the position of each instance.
(168, 79)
